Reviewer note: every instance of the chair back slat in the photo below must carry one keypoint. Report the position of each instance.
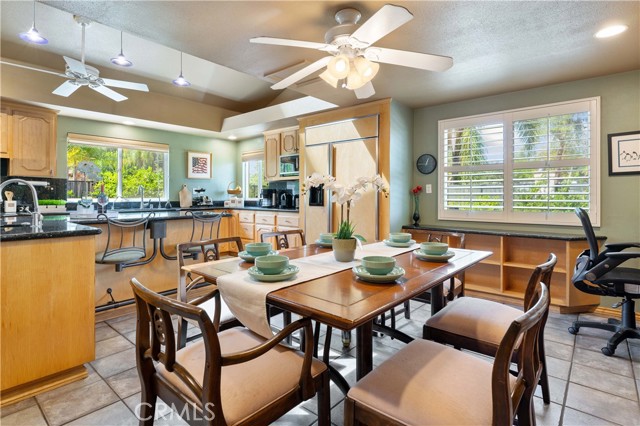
(525, 329)
(282, 237)
(124, 237)
(205, 226)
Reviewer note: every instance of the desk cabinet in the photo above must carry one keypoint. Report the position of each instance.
(506, 272)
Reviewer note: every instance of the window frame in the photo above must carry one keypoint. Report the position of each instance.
(507, 118)
(245, 158)
(109, 142)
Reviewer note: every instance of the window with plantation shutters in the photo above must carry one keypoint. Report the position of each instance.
(533, 165)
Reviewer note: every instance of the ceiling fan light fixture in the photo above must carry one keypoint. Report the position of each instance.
(328, 77)
(33, 36)
(339, 66)
(121, 60)
(181, 81)
(355, 80)
(366, 69)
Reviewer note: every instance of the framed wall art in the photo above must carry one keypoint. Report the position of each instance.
(199, 165)
(624, 153)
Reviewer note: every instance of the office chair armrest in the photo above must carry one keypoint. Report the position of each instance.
(610, 261)
(623, 255)
(613, 247)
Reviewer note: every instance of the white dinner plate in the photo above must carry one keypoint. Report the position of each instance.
(244, 255)
(289, 272)
(391, 277)
(433, 257)
(396, 244)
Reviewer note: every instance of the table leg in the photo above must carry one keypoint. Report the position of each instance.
(364, 349)
(437, 301)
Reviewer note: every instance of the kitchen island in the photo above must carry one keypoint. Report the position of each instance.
(47, 291)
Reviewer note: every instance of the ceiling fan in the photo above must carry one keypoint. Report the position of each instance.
(354, 61)
(80, 74)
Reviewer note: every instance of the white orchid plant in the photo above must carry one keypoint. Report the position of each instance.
(345, 196)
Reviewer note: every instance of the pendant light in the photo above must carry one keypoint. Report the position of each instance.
(121, 60)
(33, 36)
(181, 81)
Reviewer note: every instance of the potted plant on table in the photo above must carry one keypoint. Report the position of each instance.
(345, 241)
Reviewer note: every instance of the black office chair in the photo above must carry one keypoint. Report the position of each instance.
(599, 273)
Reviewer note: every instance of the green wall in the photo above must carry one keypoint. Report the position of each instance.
(619, 112)
(225, 153)
(399, 166)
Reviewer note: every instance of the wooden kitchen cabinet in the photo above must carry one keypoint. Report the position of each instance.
(515, 255)
(246, 226)
(277, 143)
(30, 139)
(5, 132)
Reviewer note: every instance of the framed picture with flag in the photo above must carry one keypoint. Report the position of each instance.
(199, 165)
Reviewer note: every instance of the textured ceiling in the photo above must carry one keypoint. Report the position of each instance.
(496, 46)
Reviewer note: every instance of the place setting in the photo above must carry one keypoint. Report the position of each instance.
(272, 268)
(253, 250)
(434, 252)
(325, 240)
(378, 270)
(399, 239)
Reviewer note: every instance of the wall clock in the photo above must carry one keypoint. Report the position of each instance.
(426, 164)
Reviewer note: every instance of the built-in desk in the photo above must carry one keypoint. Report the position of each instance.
(515, 256)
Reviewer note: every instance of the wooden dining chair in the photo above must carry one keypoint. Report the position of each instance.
(285, 239)
(426, 383)
(232, 377)
(196, 252)
(479, 324)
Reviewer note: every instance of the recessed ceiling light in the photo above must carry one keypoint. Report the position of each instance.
(128, 122)
(610, 31)
(232, 137)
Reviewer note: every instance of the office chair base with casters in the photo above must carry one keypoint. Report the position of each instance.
(625, 329)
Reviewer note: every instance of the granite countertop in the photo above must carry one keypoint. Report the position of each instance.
(505, 233)
(52, 227)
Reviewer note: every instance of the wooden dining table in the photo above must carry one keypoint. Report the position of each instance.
(343, 301)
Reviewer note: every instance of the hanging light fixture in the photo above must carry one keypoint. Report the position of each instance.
(181, 81)
(121, 60)
(33, 36)
(338, 67)
(366, 69)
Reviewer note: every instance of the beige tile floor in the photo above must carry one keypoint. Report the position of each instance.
(587, 388)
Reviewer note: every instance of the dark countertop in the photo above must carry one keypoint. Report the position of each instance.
(505, 233)
(52, 227)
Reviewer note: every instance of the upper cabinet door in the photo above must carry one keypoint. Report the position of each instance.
(289, 142)
(34, 142)
(271, 154)
(5, 132)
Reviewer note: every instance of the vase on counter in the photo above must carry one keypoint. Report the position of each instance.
(416, 212)
(344, 250)
(103, 199)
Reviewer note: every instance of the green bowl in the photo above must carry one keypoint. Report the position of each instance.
(272, 264)
(327, 237)
(434, 248)
(400, 237)
(258, 249)
(378, 265)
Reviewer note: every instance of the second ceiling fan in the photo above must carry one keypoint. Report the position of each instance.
(354, 61)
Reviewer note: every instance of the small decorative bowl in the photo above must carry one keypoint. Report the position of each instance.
(400, 237)
(434, 248)
(258, 249)
(378, 265)
(272, 264)
(327, 237)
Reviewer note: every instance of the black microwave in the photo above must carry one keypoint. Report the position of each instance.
(289, 165)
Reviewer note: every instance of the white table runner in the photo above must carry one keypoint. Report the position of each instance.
(247, 298)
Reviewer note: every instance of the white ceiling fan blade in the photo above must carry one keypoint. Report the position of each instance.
(66, 88)
(294, 43)
(384, 21)
(13, 64)
(423, 61)
(365, 91)
(125, 84)
(75, 66)
(109, 93)
(296, 76)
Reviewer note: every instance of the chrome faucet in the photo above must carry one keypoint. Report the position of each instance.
(141, 192)
(36, 216)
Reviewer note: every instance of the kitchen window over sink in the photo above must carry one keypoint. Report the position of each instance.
(253, 180)
(122, 165)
